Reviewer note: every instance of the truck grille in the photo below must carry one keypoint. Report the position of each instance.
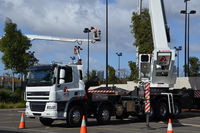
(44, 93)
(37, 106)
(38, 95)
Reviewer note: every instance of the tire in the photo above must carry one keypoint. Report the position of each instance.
(74, 116)
(103, 115)
(177, 109)
(163, 110)
(46, 121)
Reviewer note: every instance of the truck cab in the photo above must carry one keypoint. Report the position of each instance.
(52, 89)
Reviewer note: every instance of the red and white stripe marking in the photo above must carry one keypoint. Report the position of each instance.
(147, 97)
(102, 91)
(197, 93)
(147, 106)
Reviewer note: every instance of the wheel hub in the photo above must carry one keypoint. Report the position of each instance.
(163, 111)
(176, 110)
(76, 116)
(105, 114)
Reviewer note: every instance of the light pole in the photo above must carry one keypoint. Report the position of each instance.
(119, 54)
(106, 43)
(178, 49)
(87, 30)
(185, 30)
(191, 12)
(188, 37)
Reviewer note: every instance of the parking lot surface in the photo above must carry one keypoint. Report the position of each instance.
(189, 122)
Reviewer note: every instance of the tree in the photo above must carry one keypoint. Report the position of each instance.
(141, 29)
(193, 67)
(93, 80)
(14, 46)
(111, 75)
(93, 76)
(134, 71)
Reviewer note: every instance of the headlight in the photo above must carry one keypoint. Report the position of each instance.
(51, 107)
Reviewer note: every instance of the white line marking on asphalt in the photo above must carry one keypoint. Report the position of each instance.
(193, 125)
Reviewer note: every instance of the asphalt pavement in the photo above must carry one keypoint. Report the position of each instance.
(189, 122)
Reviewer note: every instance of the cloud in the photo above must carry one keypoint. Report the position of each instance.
(68, 18)
(96, 65)
(47, 51)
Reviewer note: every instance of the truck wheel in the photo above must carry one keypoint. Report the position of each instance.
(46, 121)
(177, 109)
(103, 115)
(162, 110)
(74, 116)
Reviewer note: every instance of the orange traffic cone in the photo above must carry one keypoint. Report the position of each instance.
(22, 122)
(169, 129)
(83, 126)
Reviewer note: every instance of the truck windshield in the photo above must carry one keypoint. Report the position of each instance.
(42, 77)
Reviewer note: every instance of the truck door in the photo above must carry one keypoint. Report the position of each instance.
(68, 83)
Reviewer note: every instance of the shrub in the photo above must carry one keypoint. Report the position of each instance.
(8, 96)
(18, 92)
(12, 105)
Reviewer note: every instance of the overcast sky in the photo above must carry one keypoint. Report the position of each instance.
(68, 18)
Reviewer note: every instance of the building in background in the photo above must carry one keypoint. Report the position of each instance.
(100, 75)
(6, 82)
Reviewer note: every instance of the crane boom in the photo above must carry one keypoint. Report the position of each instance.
(50, 38)
(159, 68)
(157, 16)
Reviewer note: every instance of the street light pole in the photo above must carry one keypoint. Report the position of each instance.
(106, 43)
(88, 65)
(186, 35)
(87, 30)
(178, 49)
(119, 54)
(188, 45)
(119, 68)
(191, 12)
(178, 65)
(188, 30)
(186, 14)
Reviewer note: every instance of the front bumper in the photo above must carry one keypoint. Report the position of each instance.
(49, 111)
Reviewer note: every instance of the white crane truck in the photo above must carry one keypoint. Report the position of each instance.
(57, 91)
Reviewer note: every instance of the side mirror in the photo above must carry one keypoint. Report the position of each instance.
(61, 81)
(62, 76)
(62, 73)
